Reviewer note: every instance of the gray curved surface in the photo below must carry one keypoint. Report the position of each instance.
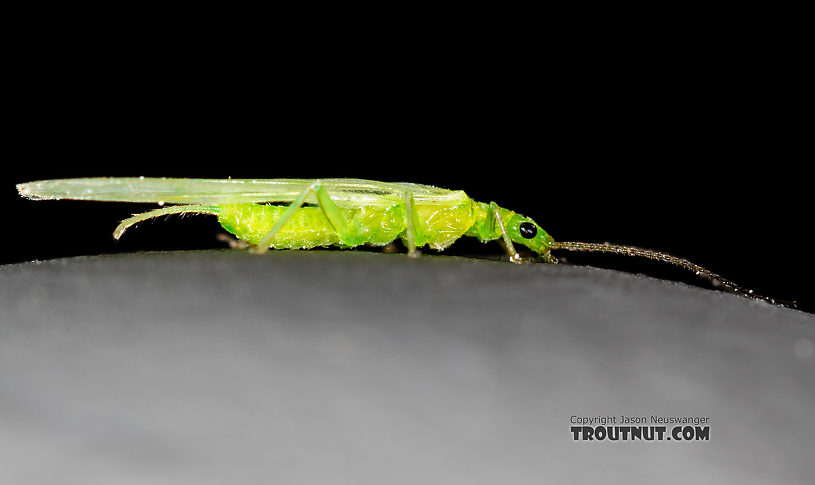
(347, 367)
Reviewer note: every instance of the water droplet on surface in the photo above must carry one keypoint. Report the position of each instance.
(160, 203)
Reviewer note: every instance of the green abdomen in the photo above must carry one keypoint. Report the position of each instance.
(308, 227)
(436, 225)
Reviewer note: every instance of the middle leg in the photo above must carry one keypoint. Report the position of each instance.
(410, 226)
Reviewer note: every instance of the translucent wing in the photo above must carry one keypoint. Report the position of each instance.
(344, 192)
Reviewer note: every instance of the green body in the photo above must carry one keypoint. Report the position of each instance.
(374, 213)
(437, 226)
(308, 228)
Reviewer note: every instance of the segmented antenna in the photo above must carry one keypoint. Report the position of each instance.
(715, 279)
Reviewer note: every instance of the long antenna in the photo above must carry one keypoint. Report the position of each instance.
(715, 279)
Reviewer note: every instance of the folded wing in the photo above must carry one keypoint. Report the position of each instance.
(344, 192)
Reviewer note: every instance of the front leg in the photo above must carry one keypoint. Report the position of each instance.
(494, 218)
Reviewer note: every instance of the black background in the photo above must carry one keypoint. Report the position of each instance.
(688, 137)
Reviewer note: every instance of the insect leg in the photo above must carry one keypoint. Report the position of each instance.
(329, 209)
(263, 245)
(233, 243)
(495, 218)
(347, 235)
(176, 209)
(410, 226)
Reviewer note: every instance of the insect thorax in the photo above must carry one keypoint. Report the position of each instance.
(482, 227)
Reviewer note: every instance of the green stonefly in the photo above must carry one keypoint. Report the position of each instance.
(303, 213)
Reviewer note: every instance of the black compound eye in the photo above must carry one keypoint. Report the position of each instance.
(528, 230)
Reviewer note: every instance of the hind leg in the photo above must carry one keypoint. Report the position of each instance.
(348, 236)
